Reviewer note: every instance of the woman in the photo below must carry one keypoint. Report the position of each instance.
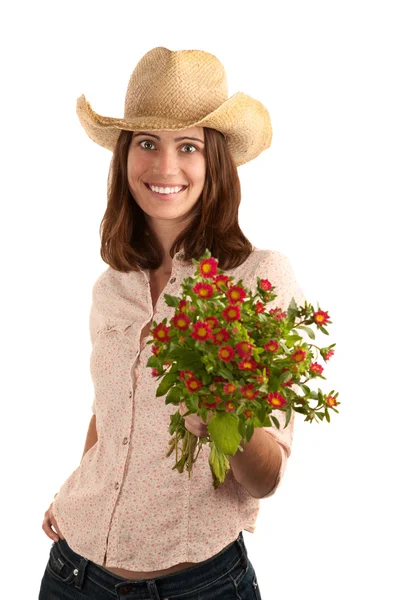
(126, 523)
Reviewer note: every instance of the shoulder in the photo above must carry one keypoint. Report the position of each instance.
(277, 268)
(112, 284)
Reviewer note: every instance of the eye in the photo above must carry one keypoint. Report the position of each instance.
(146, 142)
(189, 146)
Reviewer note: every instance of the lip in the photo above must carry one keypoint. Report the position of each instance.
(164, 196)
(165, 185)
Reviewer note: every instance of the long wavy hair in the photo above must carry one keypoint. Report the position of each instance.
(126, 241)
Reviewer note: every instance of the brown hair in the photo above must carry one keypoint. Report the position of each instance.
(125, 243)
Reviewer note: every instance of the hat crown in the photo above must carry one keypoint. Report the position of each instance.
(184, 84)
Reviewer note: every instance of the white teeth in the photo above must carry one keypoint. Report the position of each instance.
(167, 190)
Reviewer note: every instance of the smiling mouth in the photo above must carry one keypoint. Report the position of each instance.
(163, 194)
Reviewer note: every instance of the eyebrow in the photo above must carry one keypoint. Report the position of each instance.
(178, 139)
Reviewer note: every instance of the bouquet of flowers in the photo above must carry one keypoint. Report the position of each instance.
(225, 354)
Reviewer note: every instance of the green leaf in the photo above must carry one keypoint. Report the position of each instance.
(223, 428)
(292, 339)
(172, 300)
(288, 415)
(153, 361)
(174, 396)
(166, 383)
(327, 416)
(308, 330)
(223, 372)
(275, 421)
(249, 431)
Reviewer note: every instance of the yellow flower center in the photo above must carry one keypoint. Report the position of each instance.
(206, 268)
(232, 313)
(161, 334)
(202, 332)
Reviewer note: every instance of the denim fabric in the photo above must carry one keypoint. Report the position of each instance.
(229, 575)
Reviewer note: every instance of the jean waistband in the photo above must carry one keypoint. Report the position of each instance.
(171, 584)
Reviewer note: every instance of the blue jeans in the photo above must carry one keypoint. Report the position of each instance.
(229, 575)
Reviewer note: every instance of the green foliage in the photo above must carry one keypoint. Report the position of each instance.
(223, 428)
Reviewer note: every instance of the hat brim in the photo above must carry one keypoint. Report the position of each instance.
(244, 121)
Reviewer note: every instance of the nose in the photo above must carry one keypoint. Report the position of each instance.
(166, 162)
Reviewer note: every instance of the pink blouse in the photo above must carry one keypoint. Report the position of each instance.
(124, 506)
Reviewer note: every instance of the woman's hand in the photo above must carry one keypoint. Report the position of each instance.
(49, 521)
(194, 423)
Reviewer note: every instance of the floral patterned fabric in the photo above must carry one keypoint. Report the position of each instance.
(124, 506)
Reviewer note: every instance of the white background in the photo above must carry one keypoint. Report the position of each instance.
(325, 193)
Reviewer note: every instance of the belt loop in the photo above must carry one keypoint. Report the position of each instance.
(80, 573)
(151, 585)
(242, 548)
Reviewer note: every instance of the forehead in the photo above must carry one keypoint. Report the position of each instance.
(197, 132)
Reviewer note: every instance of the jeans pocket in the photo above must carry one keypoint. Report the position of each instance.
(239, 570)
(60, 567)
(245, 580)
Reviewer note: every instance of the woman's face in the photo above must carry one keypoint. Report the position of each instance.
(165, 160)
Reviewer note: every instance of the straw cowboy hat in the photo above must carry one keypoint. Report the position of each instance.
(172, 90)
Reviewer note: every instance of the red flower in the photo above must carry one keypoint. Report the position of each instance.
(331, 401)
(203, 290)
(229, 406)
(208, 268)
(156, 350)
(248, 413)
(236, 294)
(249, 392)
(272, 346)
(321, 317)
(219, 379)
(160, 333)
(316, 368)
(231, 313)
(220, 337)
(226, 353)
(244, 348)
(211, 321)
(154, 372)
(193, 384)
(248, 364)
(229, 388)
(260, 379)
(183, 306)
(201, 331)
(210, 404)
(277, 313)
(221, 279)
(260, 308)
(326, 354)
(265, 284)
(276, 400)
(181, 321)
(299, 355)
(184, 374)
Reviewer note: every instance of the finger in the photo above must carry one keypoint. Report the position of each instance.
(48, 530)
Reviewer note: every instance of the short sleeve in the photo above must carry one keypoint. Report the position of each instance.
(277, 268)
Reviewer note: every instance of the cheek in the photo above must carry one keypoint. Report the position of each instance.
(198, 171)
(137, 165)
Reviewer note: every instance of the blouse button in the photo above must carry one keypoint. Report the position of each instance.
(172, 280)
(125, 440)
(116, 485)
(130, 394)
